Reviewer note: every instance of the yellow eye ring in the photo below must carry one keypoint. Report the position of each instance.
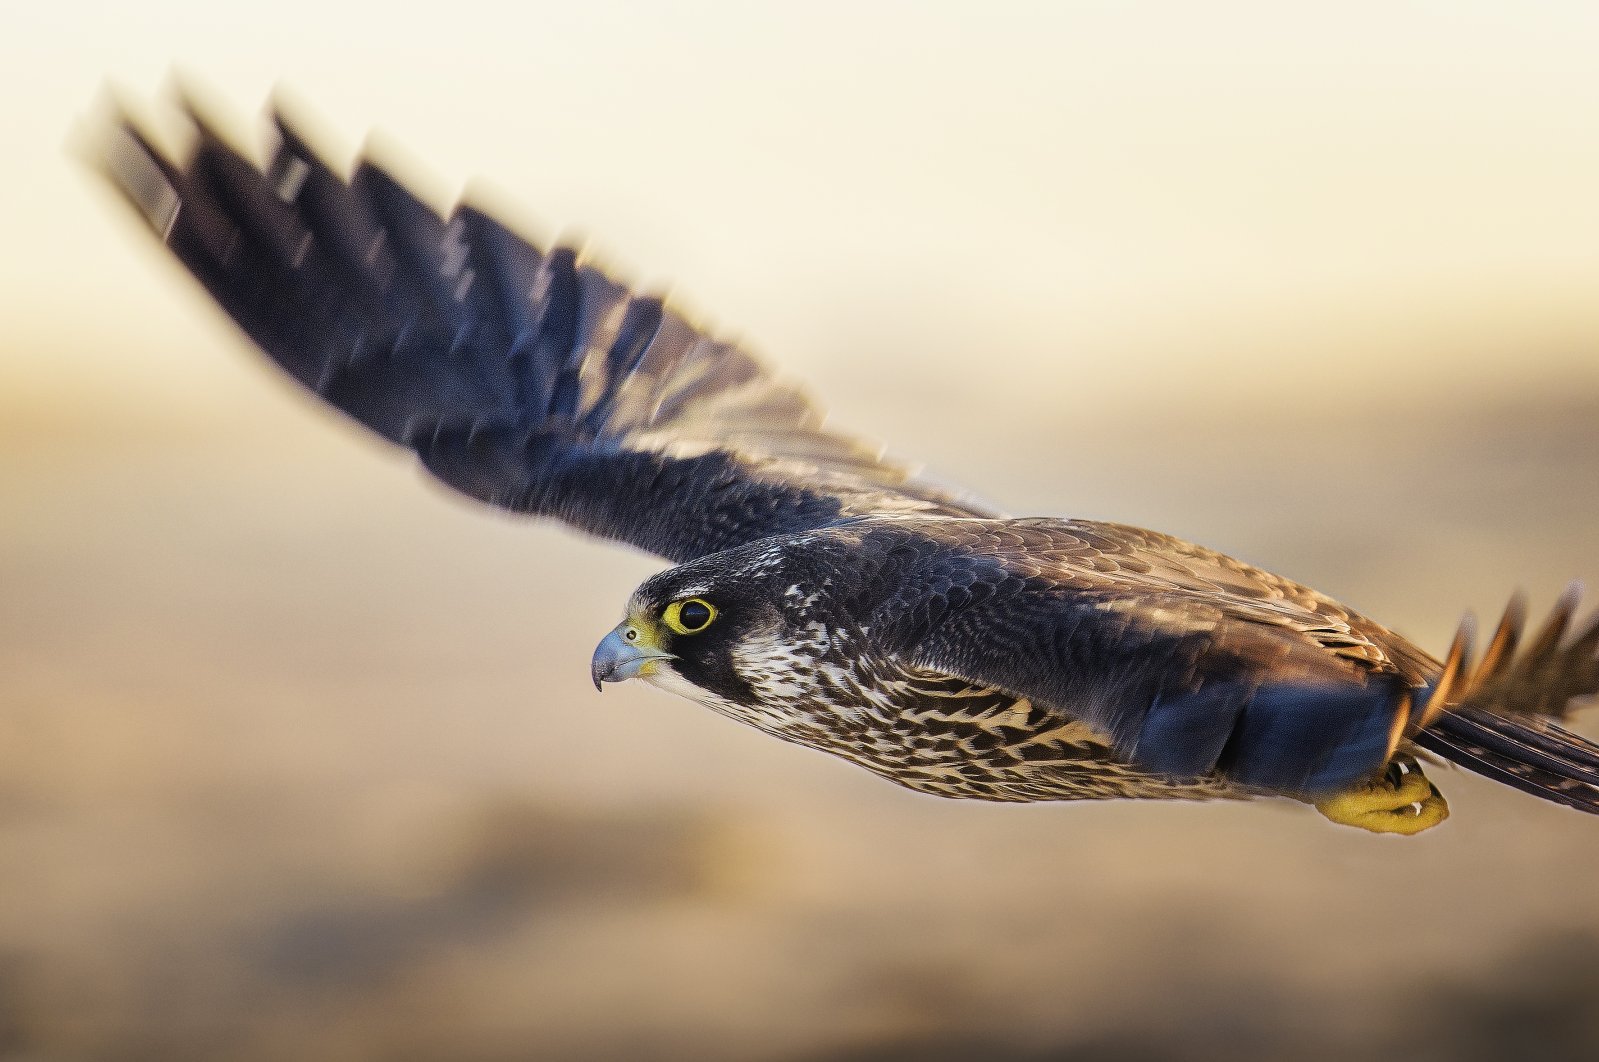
(689, 616)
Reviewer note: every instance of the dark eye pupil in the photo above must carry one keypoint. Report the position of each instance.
(693, 615)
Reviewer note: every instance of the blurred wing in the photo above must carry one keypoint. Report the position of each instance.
(1498, 715)
(1190, 663)
(521, 377)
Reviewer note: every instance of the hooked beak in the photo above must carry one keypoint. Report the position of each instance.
(620, 657)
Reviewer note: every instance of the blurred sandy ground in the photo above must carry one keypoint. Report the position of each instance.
(298, 758)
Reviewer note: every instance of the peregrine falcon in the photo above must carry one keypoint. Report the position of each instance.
(823, 593)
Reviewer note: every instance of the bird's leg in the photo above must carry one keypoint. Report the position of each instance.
(1400, 800)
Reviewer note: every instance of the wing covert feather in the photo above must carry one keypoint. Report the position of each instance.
(1190, 663)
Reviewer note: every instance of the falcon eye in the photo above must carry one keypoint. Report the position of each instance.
(689, 617)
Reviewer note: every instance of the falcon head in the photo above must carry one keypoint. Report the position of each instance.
(731, 630)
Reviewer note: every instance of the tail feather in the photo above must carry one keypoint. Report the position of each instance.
(1499, 748)
(1523, 744)
(1581, 742)
(1500, 718)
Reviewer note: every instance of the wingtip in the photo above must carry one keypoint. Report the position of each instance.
(1570, 600)
(1456, 674)
(302, 132)
(106, 113)
(498, 206)
(125, 155)
(213, 119)
(1502, 647)
(1553, 632)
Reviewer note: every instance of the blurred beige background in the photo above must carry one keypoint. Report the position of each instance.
(298, 756)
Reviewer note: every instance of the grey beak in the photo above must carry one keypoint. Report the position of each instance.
(616, 659)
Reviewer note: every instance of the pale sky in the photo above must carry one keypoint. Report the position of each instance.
(269, 693)
(1108, 198)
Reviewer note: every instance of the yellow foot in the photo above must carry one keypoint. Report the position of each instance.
(1400, 801)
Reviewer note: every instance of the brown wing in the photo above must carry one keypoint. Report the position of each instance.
(1191, 664)
(1148, 562)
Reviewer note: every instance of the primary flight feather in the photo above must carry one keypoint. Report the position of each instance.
(823, 593)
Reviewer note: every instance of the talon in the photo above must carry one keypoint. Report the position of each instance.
(1401, 800)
